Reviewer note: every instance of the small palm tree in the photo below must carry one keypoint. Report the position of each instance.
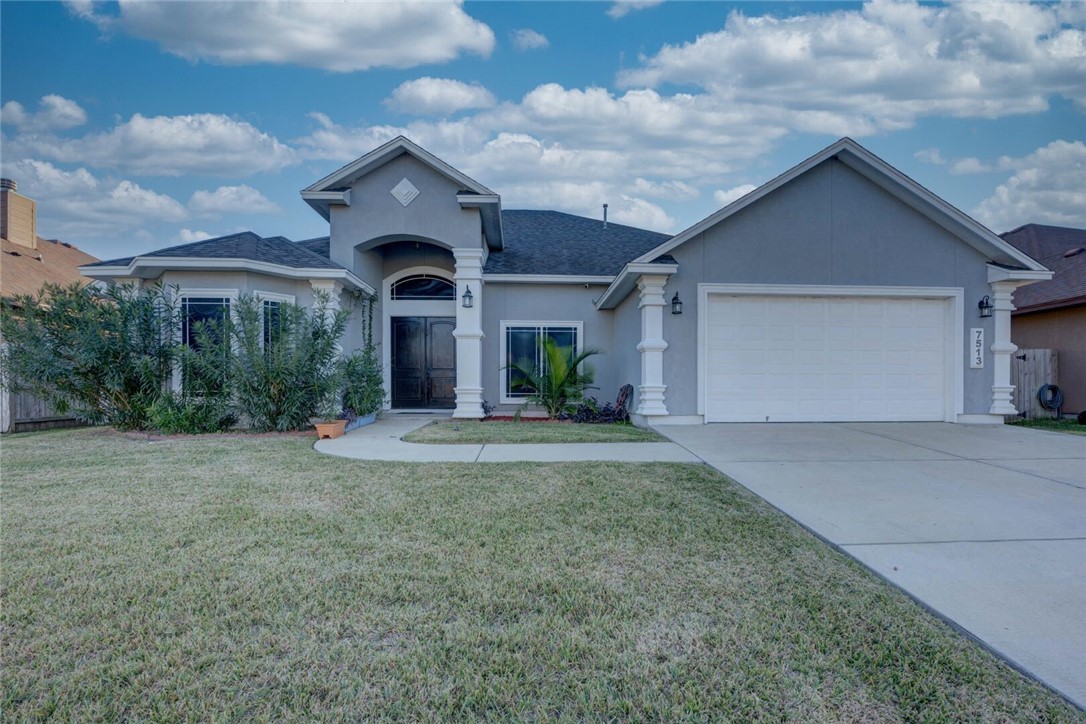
(558, 384)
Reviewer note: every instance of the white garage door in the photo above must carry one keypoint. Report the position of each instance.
(831, 359)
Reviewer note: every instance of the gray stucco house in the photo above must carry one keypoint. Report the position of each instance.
(839, 291)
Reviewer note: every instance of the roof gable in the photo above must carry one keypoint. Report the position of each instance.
(888, 178)
(345, 176)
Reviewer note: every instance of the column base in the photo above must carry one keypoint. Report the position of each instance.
(1001, 401)
(469, 403)
(651, 400)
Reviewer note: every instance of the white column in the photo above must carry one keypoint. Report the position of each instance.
(469, 334)
(1002, 348)
(651, 302)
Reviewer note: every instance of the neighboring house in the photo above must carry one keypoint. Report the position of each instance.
(1052, 314)
(27, 262)
(841, 290)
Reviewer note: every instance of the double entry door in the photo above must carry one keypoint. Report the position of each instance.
(423, 362)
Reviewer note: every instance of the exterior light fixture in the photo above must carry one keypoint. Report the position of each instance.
(469, 300)
(676, 304)
(985, 307)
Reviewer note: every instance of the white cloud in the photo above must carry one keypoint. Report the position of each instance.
(336, 36)
(54, 113)
(930, 155)
(187, 236)
(1048, 187)
(620, 8)
(528, 39)
(962, 166)
(202, 143)
(882, 67)
(672, 189)
(425, 96)
(79, 204)
(231, 200)
(726, 196)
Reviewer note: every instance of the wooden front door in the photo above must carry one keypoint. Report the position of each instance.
(423, 362)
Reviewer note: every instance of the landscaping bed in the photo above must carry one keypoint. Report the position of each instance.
(238, 578)
(538, 430)
(1067, 425)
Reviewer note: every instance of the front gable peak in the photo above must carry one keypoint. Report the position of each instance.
(335, 189)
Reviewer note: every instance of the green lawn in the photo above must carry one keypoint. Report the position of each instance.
(1071, 427)
(236, 578)
(501, 432)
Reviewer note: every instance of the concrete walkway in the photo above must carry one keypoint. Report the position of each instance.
(382, 441)
(984, 524)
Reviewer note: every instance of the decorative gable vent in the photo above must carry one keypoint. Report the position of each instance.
(405, 192)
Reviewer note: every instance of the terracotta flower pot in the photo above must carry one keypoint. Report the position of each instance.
(330, 429)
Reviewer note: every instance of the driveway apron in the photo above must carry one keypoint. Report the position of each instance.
(984, 524)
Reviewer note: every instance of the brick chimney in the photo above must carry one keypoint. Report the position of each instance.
(18, 216)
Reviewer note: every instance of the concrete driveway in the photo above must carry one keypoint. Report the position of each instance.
(984, 524)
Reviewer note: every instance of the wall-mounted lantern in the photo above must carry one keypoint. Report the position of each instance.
(469, 300)
(676, 304)
(985, 307)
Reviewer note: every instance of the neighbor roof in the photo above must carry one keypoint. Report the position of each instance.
(244, 245)
(1061, 249)
(24, 270)
(555, 243)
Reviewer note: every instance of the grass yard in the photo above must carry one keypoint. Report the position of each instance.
(231, 578)
(1070, 426)
(474, 432)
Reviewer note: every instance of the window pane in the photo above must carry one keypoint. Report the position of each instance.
(521, 348)
(205, 310)
(522, 345)
(423, 287)
(273, 323)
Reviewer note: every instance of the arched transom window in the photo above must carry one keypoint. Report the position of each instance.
(423, 286)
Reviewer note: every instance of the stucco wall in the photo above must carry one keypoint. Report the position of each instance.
(547, 303)
(627, 360)
(830, 226)
(1063, 330)
(374, 214)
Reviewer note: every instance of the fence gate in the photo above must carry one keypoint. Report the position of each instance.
(1030, 369)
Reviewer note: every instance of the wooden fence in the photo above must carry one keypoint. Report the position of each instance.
(22, 411)
(1030, 370)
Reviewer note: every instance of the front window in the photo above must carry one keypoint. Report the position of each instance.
(273, 322)
(201, 374)
(524, 347)
(202, 310)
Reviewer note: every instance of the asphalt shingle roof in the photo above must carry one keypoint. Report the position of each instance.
(536, 242)
(1053, 246)
(244, 245)
(551, 242)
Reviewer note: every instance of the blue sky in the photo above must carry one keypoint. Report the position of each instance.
(141, 125)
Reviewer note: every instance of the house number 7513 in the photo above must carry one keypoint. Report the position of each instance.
(976, 353)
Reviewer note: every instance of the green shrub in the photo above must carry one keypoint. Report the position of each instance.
(101, 355)
(174, 414)
(363, 388)
(279, 383)
(558, 384)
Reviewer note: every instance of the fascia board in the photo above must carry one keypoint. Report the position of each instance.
(627, 279)
(998, 273)
(157, 265)
(546, 279)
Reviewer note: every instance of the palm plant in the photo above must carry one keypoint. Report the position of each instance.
(556, 380)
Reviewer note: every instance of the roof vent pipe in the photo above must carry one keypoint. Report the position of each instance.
(605, 216)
